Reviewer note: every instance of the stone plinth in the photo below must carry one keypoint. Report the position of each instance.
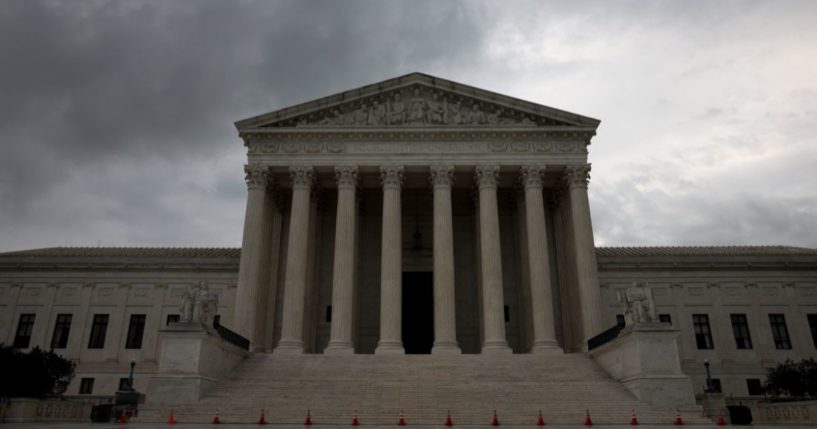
(645, 359)
(192, 360)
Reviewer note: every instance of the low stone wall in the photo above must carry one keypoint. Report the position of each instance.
(193, 359)
(801, 412)
(21, 410)
(644, 358)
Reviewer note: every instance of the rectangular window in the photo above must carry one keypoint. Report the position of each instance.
(172, 318)
(779, 331)
(61, 329)
(716, 385)
(136, 330)
(99, 327)
(665, 318)
(812, 324)
(328, 313)
(507, 314)
(754, 386)
(86, 386)
(740, 327)
(24, 328)
(124, 384)
(703, 334)
(620, 320)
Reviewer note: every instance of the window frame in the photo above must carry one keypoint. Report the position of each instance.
(703, 339)
(86, 383)
(741, 331)
(24, 331)
(99, 330)
(62, 331)
(136, 331)
(780, 331)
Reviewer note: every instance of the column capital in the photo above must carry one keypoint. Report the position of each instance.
(442, 175)
(486, 175)
(257, 176)
(577, 175)
(346, 176)
(531, 175)
(391, 176)
(302, 176)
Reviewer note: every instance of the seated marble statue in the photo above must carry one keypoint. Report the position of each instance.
(639, 305)
(199, 306)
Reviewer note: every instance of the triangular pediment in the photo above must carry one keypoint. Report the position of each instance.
(416, 101)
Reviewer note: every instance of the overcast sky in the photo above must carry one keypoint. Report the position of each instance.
(116, 117)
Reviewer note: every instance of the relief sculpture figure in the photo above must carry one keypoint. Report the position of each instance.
(436, 112)
(397, 115)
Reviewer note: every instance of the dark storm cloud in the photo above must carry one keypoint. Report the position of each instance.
(89, 83)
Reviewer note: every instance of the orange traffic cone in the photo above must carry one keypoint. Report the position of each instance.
(355, 420)
(721, 420)
(308, 420)
(587, 420)
(216, 419)
(402, 420)
(170, 419)
(122, 417)
(633, 420)
(495, 420)
(448, 421)
(262, 420)
(678, 420)
(541, 420)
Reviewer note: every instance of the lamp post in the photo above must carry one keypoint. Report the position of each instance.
(709, 385)
(130, 377)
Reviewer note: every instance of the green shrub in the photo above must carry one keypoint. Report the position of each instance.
(36, 374)
(792, 380)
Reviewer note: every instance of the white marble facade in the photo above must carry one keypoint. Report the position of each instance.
(477, 199)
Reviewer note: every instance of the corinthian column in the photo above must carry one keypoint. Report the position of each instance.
(343, 286)
(584, 250)
(544, 335)
(253, 246)
(493, 303)
(292, 329)
(445, 326)
(391, 269)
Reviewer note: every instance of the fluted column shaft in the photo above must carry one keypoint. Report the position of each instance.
(250, 272)
(391, 269)
(445, 321)
(343, 286)
(292, 329)
(584, 250)
(544, 334)
(493, 302)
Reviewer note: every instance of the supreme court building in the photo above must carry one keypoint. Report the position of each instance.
(416, 216)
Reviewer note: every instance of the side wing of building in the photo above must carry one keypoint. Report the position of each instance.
(741, 308)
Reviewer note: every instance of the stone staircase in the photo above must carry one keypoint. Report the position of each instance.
(424, 387)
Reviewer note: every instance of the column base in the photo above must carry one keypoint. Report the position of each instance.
(496, 347)
(339, 348)
(390, 347)
(547, 346)
(290, 347)
(446, 348)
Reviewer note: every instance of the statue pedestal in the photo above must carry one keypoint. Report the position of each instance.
(193, 359)
(644, 357)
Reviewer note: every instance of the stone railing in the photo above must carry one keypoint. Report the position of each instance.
(23, 410)
(800, 412)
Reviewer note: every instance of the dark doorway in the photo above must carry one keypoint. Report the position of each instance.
(418, 312)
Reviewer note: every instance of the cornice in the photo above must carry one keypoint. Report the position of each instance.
(470, 133)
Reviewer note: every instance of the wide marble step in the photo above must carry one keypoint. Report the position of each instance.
(425, 388)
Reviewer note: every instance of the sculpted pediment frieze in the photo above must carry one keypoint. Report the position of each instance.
(417, 106)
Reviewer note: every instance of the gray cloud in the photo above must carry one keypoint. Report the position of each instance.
(116, 117)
